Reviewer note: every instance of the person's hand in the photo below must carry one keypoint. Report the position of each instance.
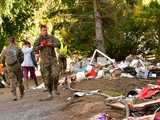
(50, 44)
(43, 43)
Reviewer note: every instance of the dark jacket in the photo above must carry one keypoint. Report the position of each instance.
(34, 59)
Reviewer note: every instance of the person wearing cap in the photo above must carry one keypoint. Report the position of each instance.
(12, 57)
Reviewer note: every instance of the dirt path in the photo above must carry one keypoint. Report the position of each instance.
(30, 108)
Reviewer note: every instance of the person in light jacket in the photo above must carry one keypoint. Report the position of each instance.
(29, 64)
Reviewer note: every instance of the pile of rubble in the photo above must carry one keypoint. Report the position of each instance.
(107, 68)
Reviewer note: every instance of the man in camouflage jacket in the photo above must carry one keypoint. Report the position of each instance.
(13, 71)
(45, 44)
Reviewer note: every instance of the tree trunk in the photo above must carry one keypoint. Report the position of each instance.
(98, 28)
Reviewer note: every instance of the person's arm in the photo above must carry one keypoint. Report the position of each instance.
(34, 59)
(20, 55)
(2, 57)
(37, 46)
(54, 42)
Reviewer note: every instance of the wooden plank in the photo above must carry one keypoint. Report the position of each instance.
(116, 105)
(147, 103)
(140, 105)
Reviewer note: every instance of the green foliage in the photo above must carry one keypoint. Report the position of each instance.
(2, 41)
(15, 18)
(74, 20)
(121, 30)
(128, 26)
(151, 32)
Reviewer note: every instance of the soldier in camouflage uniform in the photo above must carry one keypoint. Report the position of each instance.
(12, 57)
(45, 44)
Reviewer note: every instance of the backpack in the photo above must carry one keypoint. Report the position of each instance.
(11, 56)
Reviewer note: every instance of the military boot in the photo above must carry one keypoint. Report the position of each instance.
(15, 98)
(21, 90)
(50, 97)
(14, 94)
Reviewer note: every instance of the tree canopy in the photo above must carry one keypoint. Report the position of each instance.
(128, 26)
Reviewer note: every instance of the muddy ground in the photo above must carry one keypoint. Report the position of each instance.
(80, 108)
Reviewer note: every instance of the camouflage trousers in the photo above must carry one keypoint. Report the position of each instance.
(50, 75)
(14, 77)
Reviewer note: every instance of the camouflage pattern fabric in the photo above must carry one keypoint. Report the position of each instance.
(13, 72)
(5, 57)
(48, 64)
(50, 76)
(14, 76)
